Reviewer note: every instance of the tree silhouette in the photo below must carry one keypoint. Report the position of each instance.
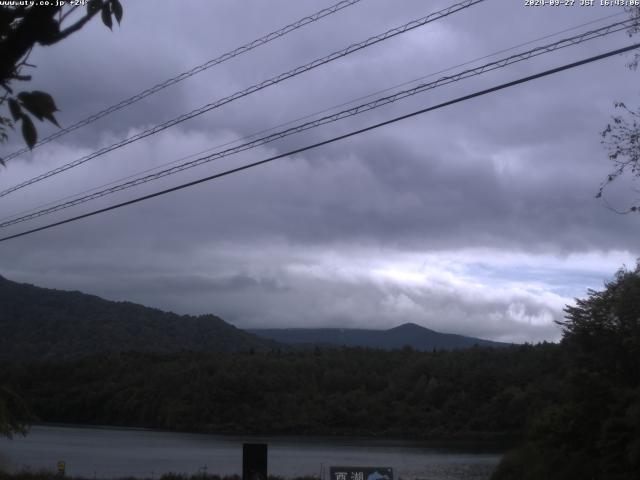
(593, 429)
(622, 135)
(23, 27)
(603, 330)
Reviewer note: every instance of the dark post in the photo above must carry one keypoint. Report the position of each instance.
(254, 461)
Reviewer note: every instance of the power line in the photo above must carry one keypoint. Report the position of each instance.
(254, 88)
(331, 118)
(247, 47)
(331, 140)
(311, 115)
(577, 39)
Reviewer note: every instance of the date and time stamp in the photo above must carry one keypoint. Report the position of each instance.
(45, 3)
(581, 3)
(527, 3)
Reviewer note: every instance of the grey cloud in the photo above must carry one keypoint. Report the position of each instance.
(514, 171)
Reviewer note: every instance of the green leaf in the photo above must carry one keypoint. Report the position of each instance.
(116, 8)
(14, 108)
(39, 104)
(106, 15)
(29, 131)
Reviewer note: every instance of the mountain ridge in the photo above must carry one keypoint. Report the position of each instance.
(45, 323)
(42, 323)
(407, 334)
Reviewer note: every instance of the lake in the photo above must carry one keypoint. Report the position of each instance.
(112, 453)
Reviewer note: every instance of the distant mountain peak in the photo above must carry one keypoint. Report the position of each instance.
(407, 334)
(409, 326)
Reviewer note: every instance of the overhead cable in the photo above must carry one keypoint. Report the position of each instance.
(331, 140)
(307, 116)
(247, 47)
(350, 112)
(254, 88)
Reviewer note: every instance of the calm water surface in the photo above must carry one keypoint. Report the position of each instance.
(110, 453)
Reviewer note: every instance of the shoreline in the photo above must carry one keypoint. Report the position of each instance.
(493, 442)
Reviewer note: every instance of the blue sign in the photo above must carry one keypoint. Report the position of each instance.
(361, 473)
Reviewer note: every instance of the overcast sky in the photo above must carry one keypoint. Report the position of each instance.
(479, 218)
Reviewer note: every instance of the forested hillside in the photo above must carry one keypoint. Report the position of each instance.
(479, 392)
(44, 323)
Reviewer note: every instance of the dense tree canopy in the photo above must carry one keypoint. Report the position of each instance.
(603, 330)
(474, 393)
(14, 413)
(593, 431)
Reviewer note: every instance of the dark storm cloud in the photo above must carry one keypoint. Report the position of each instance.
(304, 241)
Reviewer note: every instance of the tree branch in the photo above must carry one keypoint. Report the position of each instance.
(36, 26)
(78, 25)
(69, 12)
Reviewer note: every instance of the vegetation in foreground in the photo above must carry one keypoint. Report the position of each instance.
(592, 429)
(50, 475)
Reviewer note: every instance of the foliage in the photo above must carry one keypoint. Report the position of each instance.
(594, 430)
(622, 136)
(634, 14)
(22, 26)
(603, 330)
(50, 475)
(41, 323)
(474, 393)
(14, 413)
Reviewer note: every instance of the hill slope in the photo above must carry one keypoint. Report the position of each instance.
(38, 323)
(415, 336)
